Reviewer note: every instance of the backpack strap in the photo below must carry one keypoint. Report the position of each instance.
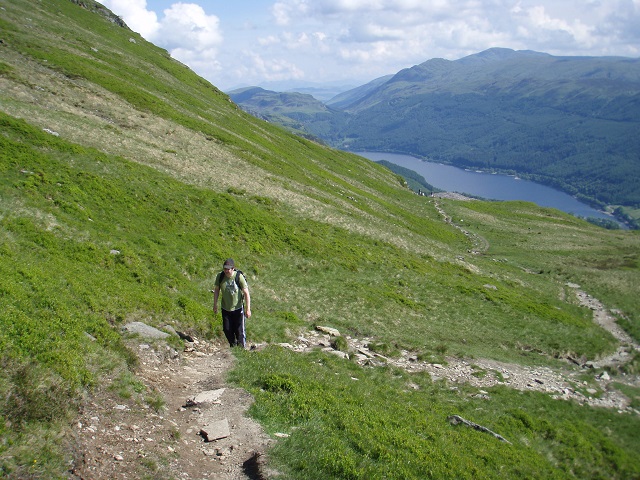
(238, 273)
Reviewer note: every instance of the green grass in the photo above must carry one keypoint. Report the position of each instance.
(344, 421)
(90, 240)
(550, 243)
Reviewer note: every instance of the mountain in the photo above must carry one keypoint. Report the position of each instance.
(127, 180)
(293, 110)
(569, 122)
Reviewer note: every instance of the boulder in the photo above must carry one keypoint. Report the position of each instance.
(330, 330)
(144, 330)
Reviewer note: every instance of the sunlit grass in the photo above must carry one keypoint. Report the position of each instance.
(347, 422)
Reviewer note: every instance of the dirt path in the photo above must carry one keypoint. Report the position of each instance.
(606, 320)
(480, 244)
(126, 439)
(563, 383)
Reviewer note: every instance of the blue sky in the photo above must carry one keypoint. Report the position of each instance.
(274, 43)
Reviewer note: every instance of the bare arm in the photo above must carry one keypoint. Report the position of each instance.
(247, 302)
(216, 294)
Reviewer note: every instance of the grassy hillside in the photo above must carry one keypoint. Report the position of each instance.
(126, 180)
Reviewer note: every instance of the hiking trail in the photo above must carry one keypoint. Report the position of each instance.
(117, 438)
(122, 439)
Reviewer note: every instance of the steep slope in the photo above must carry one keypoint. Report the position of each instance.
(345, 99)
(126, 180)
(119, 90)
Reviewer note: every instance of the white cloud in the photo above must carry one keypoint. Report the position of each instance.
(135, 15)
(358, 40)
(185, 30)
(373, 32)
(204, 62)
(416, 30)
(269, 69)
(268, 40)
(186, 26)
(618, 32)
(283, 11)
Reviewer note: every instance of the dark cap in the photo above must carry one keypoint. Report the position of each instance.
(228, 263)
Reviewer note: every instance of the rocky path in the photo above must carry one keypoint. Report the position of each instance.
(606, 320)
(560, 385)
(563, 383)
(125, 438)
(199, 428)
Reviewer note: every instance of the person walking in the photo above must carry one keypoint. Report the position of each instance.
(235, 298)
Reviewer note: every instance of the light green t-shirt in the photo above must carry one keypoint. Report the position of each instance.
(231, 295)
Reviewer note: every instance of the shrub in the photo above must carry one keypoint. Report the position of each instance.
(276, 383)
(34, 394)
(340, 343)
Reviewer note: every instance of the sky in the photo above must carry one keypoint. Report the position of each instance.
(271, 43)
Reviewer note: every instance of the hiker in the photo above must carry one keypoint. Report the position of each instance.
(235, 296)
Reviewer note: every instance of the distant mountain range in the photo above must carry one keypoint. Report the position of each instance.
(569, 122)
(321, 91)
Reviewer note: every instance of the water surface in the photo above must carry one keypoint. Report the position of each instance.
(488, 185)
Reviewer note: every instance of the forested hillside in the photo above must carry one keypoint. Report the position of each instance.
(569, 122)
(126, 180)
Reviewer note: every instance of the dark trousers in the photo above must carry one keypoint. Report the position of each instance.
(233, 327)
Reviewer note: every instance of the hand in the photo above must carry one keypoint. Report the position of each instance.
(248, 313)
(215, 310)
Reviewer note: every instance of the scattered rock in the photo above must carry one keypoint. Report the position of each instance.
(169, 329)
(136, 433)
(451, 195)
(210, 396)
(338, 353)
(215, 431)
(113, 434)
